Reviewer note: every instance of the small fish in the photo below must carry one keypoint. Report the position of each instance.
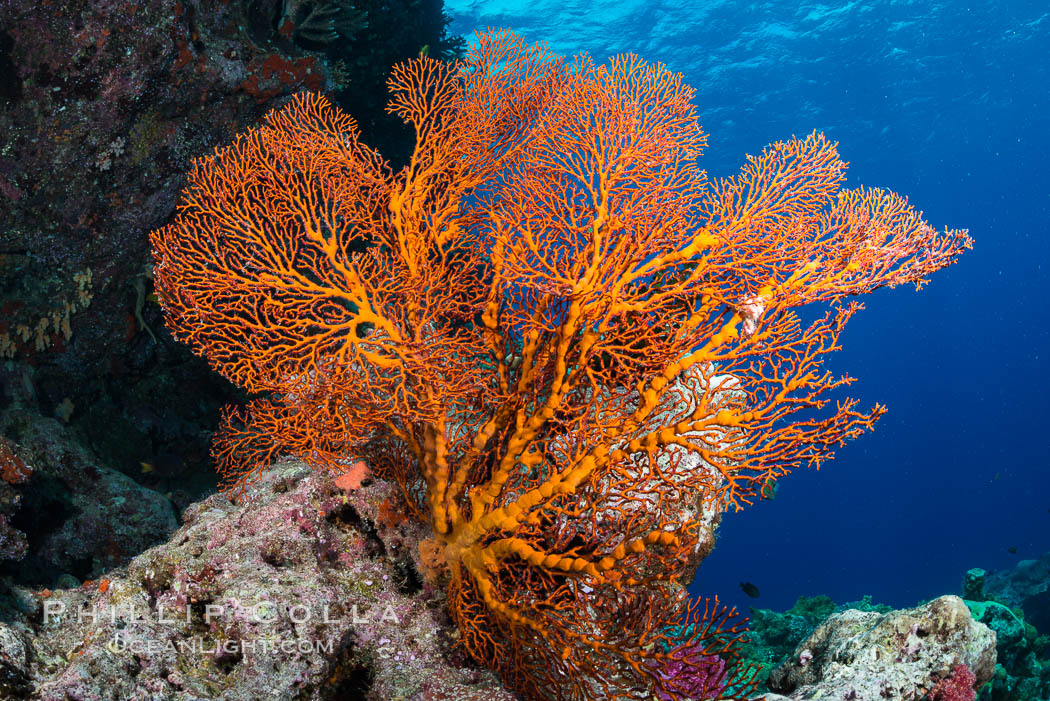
(164, 465)
(769, 490)
(425, 51)
(1012, 549)
(750, 589)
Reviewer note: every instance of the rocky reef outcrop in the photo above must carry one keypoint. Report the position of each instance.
(304, 590)
(902, 654)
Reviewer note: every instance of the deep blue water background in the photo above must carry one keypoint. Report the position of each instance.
(947, 103)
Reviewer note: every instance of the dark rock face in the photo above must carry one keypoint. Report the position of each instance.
(14, 472)
(80, 518)
(103, 106)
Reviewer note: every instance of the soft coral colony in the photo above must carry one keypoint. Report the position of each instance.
(568, 346)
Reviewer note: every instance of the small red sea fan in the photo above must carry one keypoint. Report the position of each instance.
(13, 469)
(957, 687)
(690, 674)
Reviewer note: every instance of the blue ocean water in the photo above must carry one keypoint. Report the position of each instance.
(947, 103)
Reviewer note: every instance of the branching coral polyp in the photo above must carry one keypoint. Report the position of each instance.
(569, 347)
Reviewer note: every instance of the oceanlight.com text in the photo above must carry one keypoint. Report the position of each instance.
(222, 648)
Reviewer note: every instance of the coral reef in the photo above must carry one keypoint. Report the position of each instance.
(900, 654)
(1025, 586)
(773, 635)
(1015, 604)
(1022, 662)
(529, 327)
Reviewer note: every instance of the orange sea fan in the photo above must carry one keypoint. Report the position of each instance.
(569, 347)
